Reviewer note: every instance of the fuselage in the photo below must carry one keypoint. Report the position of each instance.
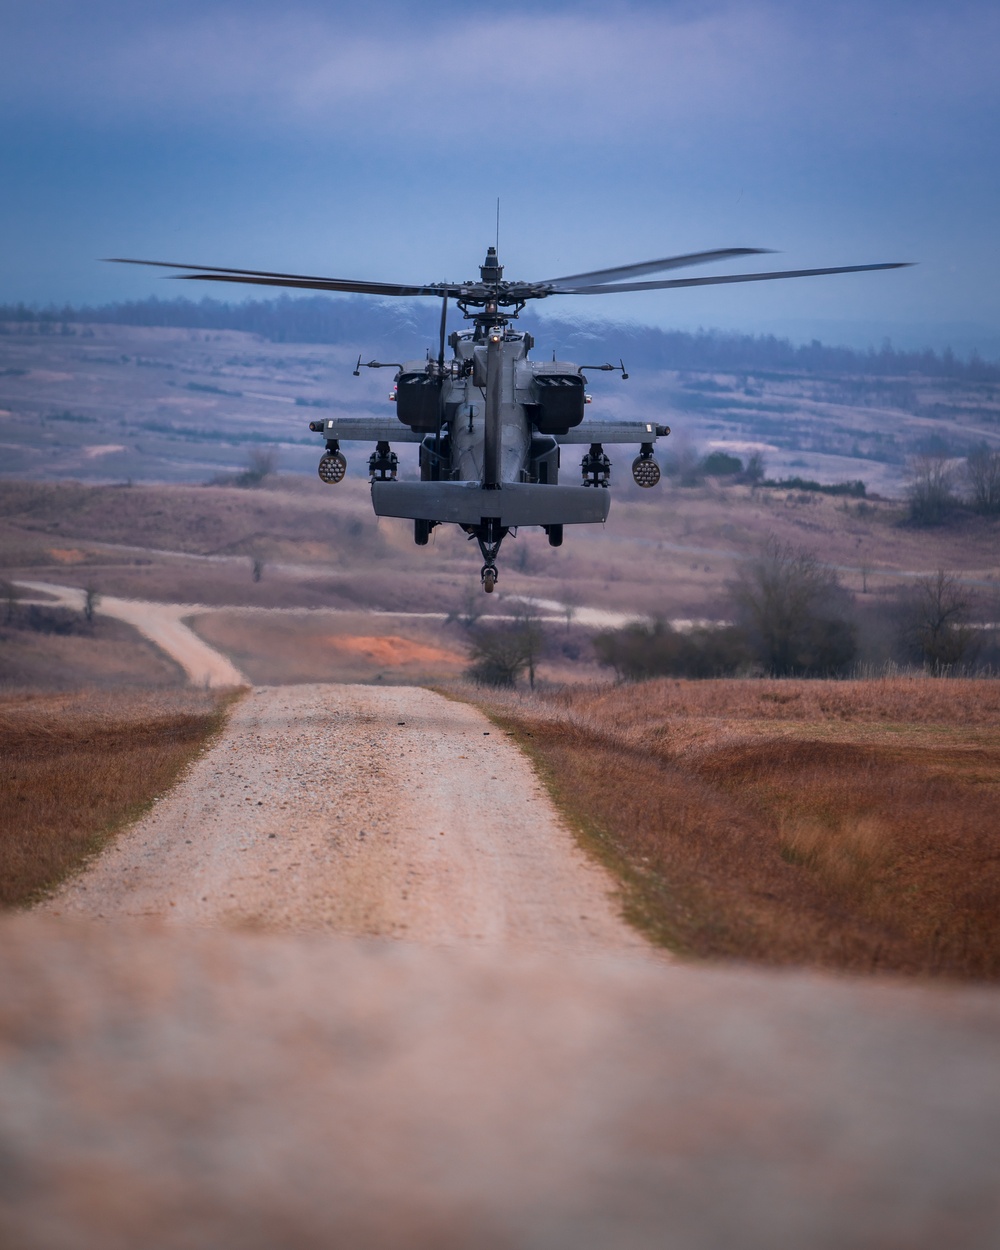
(496, 414)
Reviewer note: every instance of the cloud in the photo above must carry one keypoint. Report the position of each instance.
(668, 74)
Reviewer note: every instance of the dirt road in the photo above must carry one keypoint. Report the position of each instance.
(360, 810)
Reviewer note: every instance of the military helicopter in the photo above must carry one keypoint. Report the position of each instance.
(490, 422)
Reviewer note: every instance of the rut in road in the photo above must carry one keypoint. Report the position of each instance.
(389, 812)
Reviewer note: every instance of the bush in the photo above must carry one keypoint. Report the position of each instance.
(793, 612)
(721, 464)
(501, 653)
(930, 493)
(639, 651)
(982, 472)
(856, 489)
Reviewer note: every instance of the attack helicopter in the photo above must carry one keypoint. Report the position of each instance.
(490, 422)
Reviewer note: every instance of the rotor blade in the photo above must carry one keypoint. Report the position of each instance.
(654, 266)
(260, 277)
(321, 284)
(733, 277)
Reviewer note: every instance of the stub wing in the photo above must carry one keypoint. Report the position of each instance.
(369, 430)
(614, 432)
(512, 504)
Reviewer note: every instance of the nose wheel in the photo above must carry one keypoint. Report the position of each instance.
(489, 535)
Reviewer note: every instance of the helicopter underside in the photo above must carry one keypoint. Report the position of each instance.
(511, 504)
(489, 515)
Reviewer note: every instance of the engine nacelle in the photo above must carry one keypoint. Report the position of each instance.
(418, 399)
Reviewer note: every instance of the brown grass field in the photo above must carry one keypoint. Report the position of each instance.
(848, 825)
(668, 552)
(107, 654)
(75, 767)
(287, 648)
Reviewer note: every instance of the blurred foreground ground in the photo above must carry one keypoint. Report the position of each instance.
(194, 1089)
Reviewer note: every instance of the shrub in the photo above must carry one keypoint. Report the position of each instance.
(640, 651)
(793, 613)
(982, 472)
(721, 464)
(930, 493)
(935, 623)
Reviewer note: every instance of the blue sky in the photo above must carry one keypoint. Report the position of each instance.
(372, 142)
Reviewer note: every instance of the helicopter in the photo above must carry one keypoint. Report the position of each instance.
(490, 422)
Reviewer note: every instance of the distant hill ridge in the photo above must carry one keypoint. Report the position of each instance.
(410, 326)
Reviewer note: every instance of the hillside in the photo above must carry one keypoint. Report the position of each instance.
(98, 400)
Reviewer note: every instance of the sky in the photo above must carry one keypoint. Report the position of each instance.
(373, 141)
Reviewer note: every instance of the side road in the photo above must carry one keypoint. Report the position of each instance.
(163, 624)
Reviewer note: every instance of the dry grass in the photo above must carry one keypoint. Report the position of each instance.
(74, 768)
(290, 647)
(668, 552)
(849, 825)
(109, 654)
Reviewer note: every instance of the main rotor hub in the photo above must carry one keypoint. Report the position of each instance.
(491, 270)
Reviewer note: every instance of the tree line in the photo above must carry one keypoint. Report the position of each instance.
(350, 319)
(788, 616)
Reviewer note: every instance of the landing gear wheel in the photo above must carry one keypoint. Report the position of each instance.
(421, 532)
(489, 578)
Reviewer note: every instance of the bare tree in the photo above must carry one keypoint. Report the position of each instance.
(11, 594)
(982, 472)
(468, 612)
(793, 612)
(529, 628)
(930, 492)
(261, 463)
(754, 469)
(91, 601)
(500, 653)
(570, 598)
(935, 622)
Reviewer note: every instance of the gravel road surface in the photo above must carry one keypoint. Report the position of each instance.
(387, 812)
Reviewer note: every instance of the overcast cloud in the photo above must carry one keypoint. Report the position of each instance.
(374, 144)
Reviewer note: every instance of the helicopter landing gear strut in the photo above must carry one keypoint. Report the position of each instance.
(490, 534)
